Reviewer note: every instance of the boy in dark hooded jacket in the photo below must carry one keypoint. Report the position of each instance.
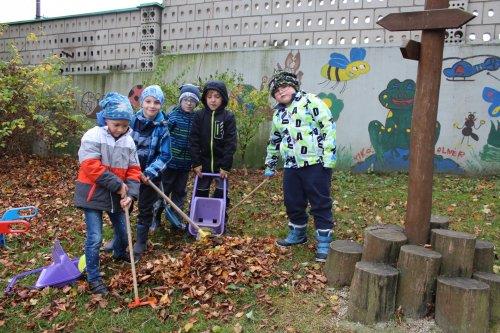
(213, 139)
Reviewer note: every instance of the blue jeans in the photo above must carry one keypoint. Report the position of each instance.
(93, 220)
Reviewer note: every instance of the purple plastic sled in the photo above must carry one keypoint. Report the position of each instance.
(61, 272)
(208, 212)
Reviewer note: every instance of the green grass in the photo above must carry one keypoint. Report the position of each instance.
(359, 201)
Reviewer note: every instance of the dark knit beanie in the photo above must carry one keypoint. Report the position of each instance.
(283, 78)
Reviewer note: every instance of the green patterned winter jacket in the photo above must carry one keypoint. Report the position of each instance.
(304, 133)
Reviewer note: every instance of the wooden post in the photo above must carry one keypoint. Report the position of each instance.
(437, 222)
(462, 305)
(484, 256)
(418, 269)
(382, 245)
(432, 21)
(373, 292)
(457, 249)
(493, 280)
(339, 267)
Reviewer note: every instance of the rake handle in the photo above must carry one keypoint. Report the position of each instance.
(174, 206)
(131, 252)
(248, 195)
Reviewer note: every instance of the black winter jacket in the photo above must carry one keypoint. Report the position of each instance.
(213, 135)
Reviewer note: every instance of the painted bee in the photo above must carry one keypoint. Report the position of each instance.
(340, 69)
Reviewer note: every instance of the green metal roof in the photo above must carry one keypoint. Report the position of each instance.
(115, 11)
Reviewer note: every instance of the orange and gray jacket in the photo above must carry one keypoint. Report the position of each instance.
(105, 164)
(213, 135)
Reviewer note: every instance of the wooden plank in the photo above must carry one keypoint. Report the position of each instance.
(449, 18)
(410, 50)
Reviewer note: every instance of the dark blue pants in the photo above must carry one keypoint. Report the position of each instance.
(174, 182)
(308, 184)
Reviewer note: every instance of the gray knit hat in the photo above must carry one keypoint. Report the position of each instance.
(282, 78)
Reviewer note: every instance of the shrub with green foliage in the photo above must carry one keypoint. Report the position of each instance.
(37, 105)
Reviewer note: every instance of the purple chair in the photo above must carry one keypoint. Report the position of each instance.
(208, 212)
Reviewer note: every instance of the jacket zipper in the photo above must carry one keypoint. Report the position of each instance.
(212, 142)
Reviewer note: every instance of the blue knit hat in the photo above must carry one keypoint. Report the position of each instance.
(189, 91)
(153, 91)
(115, 106)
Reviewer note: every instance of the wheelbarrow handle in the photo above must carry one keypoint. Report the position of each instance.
(15, 278)
(6, 227)
(173, 205)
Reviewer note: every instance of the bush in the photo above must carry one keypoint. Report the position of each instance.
(37, 106)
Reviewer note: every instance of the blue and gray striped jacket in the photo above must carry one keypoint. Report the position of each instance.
(152, 140)
(179, 125)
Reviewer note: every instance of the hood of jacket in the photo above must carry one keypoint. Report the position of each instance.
(218, 86)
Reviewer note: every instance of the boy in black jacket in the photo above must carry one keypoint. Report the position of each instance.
(213, 139)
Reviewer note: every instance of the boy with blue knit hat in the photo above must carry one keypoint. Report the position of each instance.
(175, 176)
(108, 179)
(152, 139)
(304, 132)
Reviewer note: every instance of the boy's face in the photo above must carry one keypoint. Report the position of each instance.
(117, 127)
(284, 94)
(151, 106)
(188, 104)
(214, 100)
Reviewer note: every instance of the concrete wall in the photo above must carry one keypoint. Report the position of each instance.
(367, 123)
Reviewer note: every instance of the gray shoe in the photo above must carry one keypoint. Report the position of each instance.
(108, 247)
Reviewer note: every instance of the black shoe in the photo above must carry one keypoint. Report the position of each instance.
(125, 258)
(98, 287)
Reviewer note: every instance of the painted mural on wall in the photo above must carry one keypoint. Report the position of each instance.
(465, 69)
(391, 141)
(491, 150)
(335, 104)
(134, 94)
(339, 69)
(89, 103)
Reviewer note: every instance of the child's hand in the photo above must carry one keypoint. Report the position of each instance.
(197, 171)
(122, 192)
(125, 202)
(223, 174)
(144, 178)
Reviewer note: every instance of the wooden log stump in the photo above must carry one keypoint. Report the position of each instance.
(438, 222)
(385, 226)
(462, 305)
(484, 256)
(373, 292)
(493, 280)
(339, 267)
(418, 270)
(383, 244)
(457, 249)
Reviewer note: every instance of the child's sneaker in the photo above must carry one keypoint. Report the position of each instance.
(324, 238)
(297, 235)
(98, 287)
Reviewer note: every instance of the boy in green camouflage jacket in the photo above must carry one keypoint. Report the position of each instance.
(304, 132)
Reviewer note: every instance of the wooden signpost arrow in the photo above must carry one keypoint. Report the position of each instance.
(429, 52)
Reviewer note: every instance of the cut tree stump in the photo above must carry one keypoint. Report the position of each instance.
(438, 222)
(373, 292)
(339, 267)
(462, 305)
(385, 226)
(457, 249)
(484, 256)
(493, 280)
(383, 244)
(418, 270)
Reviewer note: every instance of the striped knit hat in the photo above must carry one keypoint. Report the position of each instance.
(282, 78)
(189, 91)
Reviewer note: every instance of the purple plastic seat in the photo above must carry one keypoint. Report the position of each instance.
(208, 212)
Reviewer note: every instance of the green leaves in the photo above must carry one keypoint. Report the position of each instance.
(36, 104)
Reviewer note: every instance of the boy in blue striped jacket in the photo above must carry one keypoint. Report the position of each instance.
(152, 138)
(175, 176)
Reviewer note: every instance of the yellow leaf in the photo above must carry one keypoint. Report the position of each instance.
(188, 327)
(237, 328)
(165, 299)
(239, 314)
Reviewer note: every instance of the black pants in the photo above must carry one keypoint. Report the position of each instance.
(147, 198)
(308, 184)
(174, 182)
(203, 189)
